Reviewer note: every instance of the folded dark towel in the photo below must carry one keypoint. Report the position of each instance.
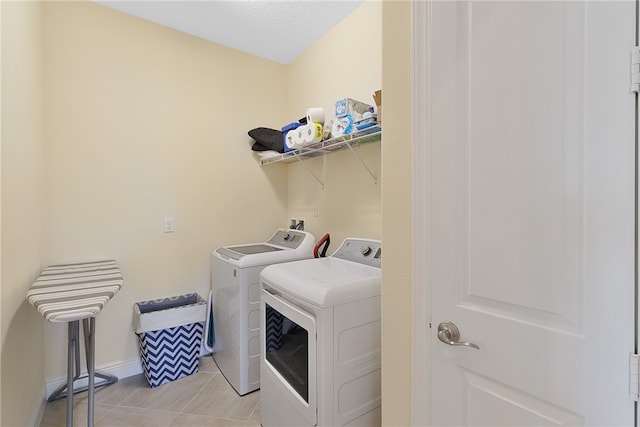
(267, 139)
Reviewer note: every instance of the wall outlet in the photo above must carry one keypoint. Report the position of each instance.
(169, 225)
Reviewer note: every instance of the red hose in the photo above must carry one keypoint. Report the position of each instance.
(327, 241)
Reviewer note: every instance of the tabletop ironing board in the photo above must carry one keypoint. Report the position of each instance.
(70, 293)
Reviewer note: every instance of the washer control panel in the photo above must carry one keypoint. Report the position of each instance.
(363, 251)
(290, 239)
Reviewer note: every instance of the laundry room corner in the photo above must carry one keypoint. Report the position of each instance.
(147, 123)
(341, 64)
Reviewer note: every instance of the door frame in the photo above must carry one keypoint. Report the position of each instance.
(421, 184)
(637, 239)
(421, 302)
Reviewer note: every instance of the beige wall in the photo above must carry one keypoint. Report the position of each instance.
(144, 122)
(134, 104)
(22, 210)
(396, 213)
(346, 62)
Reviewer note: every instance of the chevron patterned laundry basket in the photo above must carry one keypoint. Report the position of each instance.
(169, 334)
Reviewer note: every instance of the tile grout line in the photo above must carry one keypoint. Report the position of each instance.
(253, 411)
(211, 371)
(143, 410)
(199, 391)
(133, 390)
(96, 421)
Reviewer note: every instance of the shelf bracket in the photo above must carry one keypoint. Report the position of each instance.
(375, 178)
(309, 170)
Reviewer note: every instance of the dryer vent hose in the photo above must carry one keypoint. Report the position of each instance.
(326, 240)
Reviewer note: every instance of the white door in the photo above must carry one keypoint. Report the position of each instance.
(530, 211)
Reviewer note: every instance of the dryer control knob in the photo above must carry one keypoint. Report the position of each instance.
(365, 250)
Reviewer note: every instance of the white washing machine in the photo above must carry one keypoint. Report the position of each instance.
(235, 286)
(320, 318)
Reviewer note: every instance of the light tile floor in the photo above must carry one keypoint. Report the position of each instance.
(202, 399)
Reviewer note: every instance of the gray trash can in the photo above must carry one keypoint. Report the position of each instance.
(169, 334)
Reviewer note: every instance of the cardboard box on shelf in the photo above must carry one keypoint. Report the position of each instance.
(377, 98)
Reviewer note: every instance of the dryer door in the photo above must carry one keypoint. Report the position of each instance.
(289, 352)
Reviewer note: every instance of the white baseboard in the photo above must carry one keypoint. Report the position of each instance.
(37, 417)
(121, 370)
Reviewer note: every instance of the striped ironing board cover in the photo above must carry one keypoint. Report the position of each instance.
(68, 292)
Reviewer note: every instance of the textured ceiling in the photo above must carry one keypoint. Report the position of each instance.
(278, 30)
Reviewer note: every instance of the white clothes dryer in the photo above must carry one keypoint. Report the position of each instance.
(235, 287)
(320, 320)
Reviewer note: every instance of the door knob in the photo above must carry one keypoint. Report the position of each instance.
(449, 333)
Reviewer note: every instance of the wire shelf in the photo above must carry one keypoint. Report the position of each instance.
(371, 134)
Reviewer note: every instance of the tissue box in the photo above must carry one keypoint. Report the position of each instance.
(347, 106)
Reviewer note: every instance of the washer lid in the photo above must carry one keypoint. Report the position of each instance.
(237, 252)
(324, 282)
(283, 246)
